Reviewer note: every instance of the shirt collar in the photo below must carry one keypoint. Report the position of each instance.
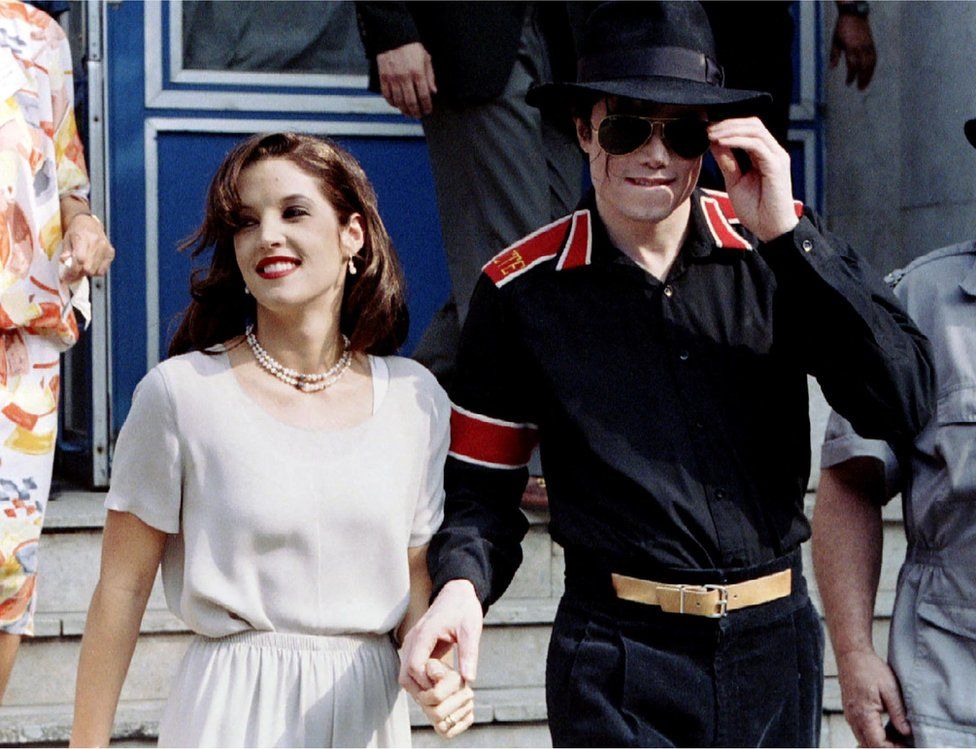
(709, 232)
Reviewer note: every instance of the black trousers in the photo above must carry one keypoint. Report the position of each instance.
(627, 674)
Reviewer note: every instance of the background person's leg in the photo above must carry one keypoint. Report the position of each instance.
(500, 173)
(28, 430)
(8, 652)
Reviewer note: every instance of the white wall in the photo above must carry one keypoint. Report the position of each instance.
(900, 175)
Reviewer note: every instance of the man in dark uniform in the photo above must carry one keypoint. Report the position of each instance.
(657, 342)
(501, 168)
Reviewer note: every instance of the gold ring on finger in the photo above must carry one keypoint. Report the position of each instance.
(450, 721)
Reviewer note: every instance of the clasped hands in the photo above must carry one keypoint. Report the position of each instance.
(455, 618)
(448, 703)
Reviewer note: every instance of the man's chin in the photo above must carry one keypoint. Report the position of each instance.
(652, 213)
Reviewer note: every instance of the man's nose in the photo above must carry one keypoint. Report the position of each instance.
(654, 151)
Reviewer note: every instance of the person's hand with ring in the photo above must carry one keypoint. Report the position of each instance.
(449, 704)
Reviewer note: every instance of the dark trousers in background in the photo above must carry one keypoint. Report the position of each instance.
(501, 170)
(626, 674)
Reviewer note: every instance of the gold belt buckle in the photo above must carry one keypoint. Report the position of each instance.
(723, 601)
(690, 592)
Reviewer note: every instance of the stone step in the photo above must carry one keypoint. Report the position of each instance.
(70, 554)
(503, 717)
(513, 651)
(835, 733)
(513, 654)
(71, 548)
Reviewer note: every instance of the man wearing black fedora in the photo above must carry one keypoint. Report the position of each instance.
(926, 685)
(656, 343)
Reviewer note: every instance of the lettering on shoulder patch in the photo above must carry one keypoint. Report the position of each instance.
(539, 246)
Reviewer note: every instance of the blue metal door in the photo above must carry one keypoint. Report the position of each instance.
(168, 127)
(174, 107)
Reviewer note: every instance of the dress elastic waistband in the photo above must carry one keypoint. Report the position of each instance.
(303, 642)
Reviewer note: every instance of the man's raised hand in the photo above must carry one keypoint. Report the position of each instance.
(763, 195)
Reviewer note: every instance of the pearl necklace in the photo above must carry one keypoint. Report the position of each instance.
(306, 383)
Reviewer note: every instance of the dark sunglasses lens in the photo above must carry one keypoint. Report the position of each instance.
(687, 138)
(620, 134)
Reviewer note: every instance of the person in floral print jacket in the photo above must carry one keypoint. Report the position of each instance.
(49, 243)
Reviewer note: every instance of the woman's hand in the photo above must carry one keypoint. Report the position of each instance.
(449, 704)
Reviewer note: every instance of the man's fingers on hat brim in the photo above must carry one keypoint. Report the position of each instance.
(726, 161)
(758, 151)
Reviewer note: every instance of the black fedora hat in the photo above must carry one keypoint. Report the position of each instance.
(970, 129)
(656, 51)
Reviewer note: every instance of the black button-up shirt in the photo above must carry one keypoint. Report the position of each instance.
(672, 415)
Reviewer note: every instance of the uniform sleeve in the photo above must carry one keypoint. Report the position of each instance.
(430, 504)
(147, 470)
(842, 443)
(68, 151)
(842, 323)
(493, 434)
(384, 26)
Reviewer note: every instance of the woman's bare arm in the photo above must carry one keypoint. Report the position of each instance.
(131, 552)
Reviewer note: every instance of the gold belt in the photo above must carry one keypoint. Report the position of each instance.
(713, 601)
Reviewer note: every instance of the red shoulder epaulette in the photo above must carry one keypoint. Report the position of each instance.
(720, 217)
(568, 238)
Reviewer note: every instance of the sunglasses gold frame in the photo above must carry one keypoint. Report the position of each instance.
(654, 122)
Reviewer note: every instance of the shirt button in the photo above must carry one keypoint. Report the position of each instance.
(683, 355)
(807, 245)
(668, 291)
(720, 494)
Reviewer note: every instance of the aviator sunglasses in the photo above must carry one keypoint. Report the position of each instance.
(620, 134)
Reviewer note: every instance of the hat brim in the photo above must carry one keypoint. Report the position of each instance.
(721, 102)
(970, 129)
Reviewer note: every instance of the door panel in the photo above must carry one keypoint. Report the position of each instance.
(169, 129)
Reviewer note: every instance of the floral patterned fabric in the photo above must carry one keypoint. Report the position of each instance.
(41, 161)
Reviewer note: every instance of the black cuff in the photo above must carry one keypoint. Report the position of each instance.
(791, 252)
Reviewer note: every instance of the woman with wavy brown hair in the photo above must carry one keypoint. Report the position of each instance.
(285, 470)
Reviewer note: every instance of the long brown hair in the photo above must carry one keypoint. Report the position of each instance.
(373, 313)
